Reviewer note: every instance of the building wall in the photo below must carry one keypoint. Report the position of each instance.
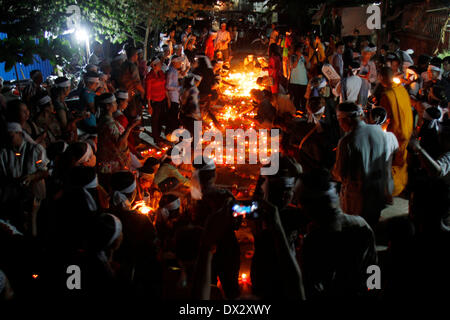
(421, 30)
(45, 67)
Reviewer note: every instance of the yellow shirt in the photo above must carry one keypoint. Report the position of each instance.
(397, 103)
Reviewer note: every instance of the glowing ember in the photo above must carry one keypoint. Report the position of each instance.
(245, 82)
(142, 207)
(243, 279)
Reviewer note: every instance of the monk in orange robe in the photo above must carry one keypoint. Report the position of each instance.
(396, 101)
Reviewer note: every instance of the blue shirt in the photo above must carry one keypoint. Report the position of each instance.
(88, 96)
(172, 85)
(299, 75)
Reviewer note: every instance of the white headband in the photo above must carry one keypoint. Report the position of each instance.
(92, 184)
(92, 205)
(312, 116)
(130, 188)
(66, 145)
(63, 84)
(14, 127)
(117, 58)
(434, 123)
(110, 99)
(117, 230)
(174, 205)
(369, 49)
(350, 114)
(122, 95)
(86, 156)
(321, 110)
(382, 120)
(323, 84)
(92, 79)
(44, 100)
(120, 197)
(287, 182)
(156, 61)
(434, 68)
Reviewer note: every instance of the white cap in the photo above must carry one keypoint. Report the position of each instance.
(122, 95)
(14, 127)
(434, 68)
(110, 99)
(44, 100)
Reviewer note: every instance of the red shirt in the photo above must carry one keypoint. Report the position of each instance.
(274, 72)
(209, 48)
(122, 119)
(155, 86)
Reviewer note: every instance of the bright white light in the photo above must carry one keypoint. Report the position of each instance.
(81, 35)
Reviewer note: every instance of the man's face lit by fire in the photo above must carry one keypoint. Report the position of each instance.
(123, 104)
(91, 162)
(146, 180)
(395, 65)
(366, 56)
(93, 85)
(433, 75)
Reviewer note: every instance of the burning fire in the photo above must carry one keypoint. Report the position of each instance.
(142, 207)
(237, 113)
(245, 83)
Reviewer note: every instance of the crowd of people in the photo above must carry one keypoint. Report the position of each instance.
(359, 125)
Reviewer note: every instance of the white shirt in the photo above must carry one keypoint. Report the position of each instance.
(370, 69)
(353, 86)
(299, 75)
(444, 163)
(361, 165)
(14, 165)
(222, 36)
(172, 85)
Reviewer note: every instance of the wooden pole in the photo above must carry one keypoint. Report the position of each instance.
(147, 33)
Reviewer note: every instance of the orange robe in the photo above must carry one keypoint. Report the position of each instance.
(397, 103)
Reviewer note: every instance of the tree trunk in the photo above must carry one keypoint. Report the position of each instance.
(17, 77)
(147, 33)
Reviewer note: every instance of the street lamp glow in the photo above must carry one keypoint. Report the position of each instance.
(81, 35)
